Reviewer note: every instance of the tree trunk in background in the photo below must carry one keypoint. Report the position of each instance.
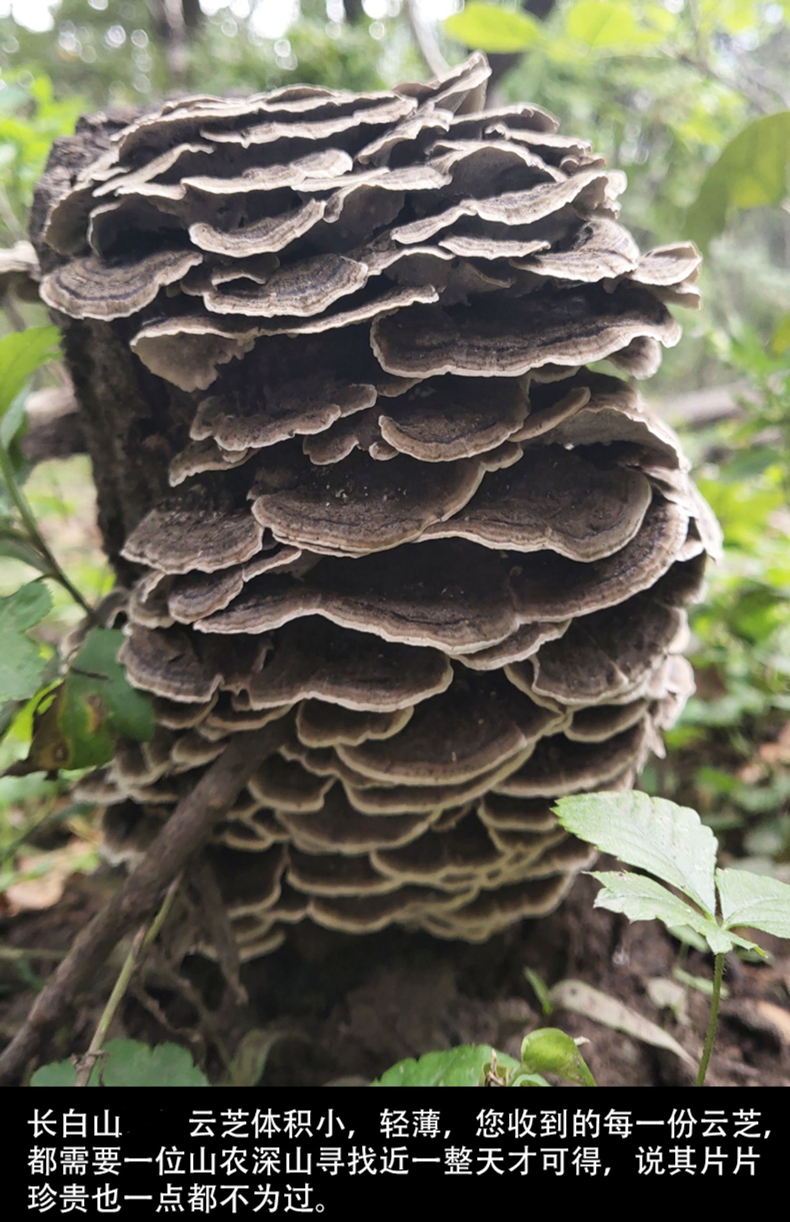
(132, 422)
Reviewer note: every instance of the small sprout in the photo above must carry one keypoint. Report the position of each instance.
(542, 992)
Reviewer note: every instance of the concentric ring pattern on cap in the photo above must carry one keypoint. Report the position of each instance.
(411, 529)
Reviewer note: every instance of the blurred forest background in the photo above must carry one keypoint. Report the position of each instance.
(691, 98)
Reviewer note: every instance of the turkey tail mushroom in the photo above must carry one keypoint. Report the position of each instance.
(406, 524)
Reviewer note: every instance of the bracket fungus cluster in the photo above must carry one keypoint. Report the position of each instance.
(407, 528)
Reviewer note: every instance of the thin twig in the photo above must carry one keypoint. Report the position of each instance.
(142, 940)
(214, 916)
(36, 538)
(176, 53)
(181, 837)
(425, 39)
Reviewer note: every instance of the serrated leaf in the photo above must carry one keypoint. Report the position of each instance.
(129, 1063)
(652, 834)
(21, 663)
(751, 172)
(498, 31)
(643, 899)
(463, 1066)
(68, 732)
(550, 1050)
(21, 354)
(58, 1073)
(754, 900)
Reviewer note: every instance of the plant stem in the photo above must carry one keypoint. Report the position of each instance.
(35, 537)
(142, 940)
(718, 973)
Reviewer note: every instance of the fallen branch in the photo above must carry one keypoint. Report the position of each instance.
(182, 836)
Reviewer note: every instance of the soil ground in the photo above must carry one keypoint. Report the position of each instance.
(347, 1008)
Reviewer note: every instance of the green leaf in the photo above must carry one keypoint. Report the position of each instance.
(15, 547)
(90, 709)
(520, 1078)
(609, 26)
(643, 899)
(12, 420)
(463, 1066)
(689, 937)
(751, 172)
(550, 1050)
(780, 340)
(130, 1063)
(541, 989)
(668, 995)
(754, 900)
(499, 31)
(58, 1073)
(650, 833)
(21, 354)
(698, 982)
(21, 663)
(129, 711)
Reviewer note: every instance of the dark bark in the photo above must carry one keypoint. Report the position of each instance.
(132, 422)
(57, 438)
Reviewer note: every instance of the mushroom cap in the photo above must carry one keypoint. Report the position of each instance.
(445, 563)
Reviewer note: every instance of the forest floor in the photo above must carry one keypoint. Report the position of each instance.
(333, 1009)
